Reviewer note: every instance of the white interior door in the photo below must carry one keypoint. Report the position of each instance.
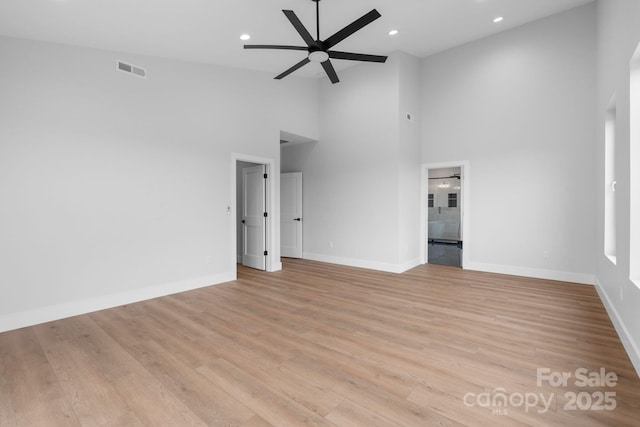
(291, 215)
(253, 216)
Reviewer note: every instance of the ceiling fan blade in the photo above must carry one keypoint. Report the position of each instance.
(356, 56)
(274, 46)
(305, 61)
(293, 18)
(351, 28)
(331, 72)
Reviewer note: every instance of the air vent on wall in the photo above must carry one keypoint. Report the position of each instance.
(132, 69)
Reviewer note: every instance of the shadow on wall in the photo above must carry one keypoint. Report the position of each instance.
(294, 151)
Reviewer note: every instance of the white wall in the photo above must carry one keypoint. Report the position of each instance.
(115, 188)
(350, 178)
(519, 107)
(409, 155)
(293, 158)
(354, 174)
(618, 37)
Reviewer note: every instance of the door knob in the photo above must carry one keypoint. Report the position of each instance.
(297, 219)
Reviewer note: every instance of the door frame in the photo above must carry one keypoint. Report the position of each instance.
(272, 261)
(250, 222)
(301, 205)
(465, 208)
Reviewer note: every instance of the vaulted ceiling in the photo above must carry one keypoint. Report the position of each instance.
(208, 31)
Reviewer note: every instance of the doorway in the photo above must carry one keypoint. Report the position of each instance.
(256, 241)
(291, 215)
(445, 226)
(251, 208)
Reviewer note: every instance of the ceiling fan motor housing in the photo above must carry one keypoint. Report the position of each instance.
(318, 56)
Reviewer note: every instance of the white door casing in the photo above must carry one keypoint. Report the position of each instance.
(291, 215)
(253, 217)
(465, 208)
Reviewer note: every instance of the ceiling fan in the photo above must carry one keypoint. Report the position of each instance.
(320, 50)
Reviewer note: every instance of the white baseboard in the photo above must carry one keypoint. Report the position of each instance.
(276, 267)
(361, 263)
(563, 276)
(406, 266)
(628, 342)
(60, 311)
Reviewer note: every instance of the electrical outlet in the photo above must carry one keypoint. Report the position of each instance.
(331, 244)
(546, 255)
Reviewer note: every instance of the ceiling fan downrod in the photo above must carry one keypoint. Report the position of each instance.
(317, 19)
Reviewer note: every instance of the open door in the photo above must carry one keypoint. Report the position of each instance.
(291, 215)
(254, 218)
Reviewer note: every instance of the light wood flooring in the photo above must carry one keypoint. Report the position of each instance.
(318, 344)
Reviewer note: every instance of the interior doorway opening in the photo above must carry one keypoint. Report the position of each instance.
(295, 152)
(251, 207)
(291, 215)
(445, 204)
(261, 211)
(444, 219)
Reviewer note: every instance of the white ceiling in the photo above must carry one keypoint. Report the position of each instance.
(208, 30)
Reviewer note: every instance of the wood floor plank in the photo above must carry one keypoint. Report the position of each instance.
(30, 391)
(321, 344)
(257, 421)
(455, 408)
(207, 401)
(364, 393)
(153, 403)
(288, 341)
(295, 388)
(274, 407)
(351, 414)
(93, 396)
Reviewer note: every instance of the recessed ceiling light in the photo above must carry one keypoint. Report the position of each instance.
(245, 37)
(498, 19)
(393, 32)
